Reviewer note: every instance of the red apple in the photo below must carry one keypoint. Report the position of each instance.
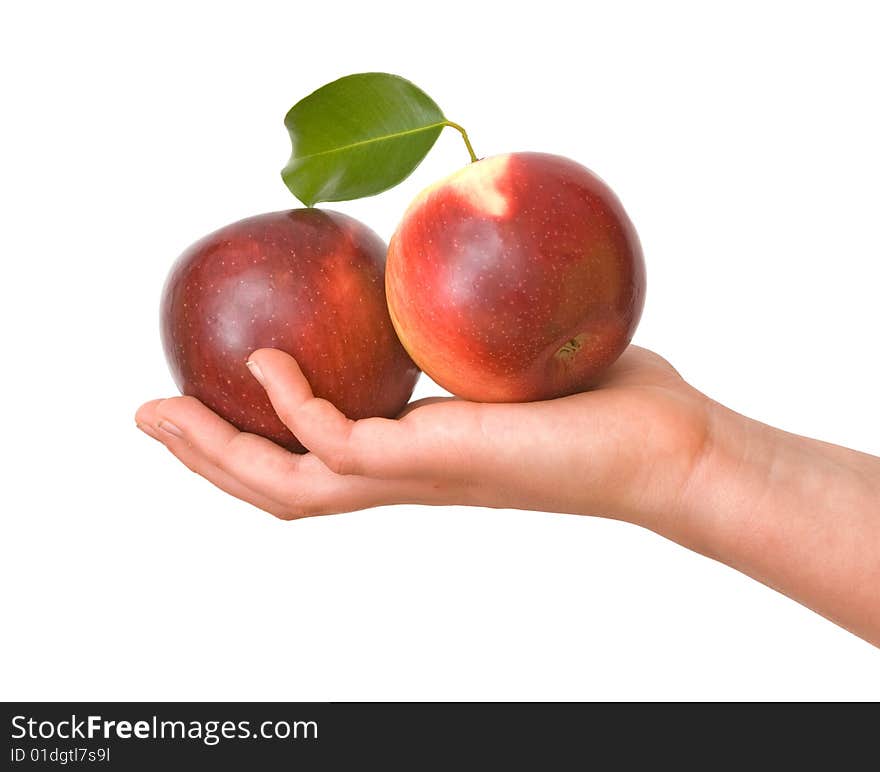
(518, 278)
(307, 281)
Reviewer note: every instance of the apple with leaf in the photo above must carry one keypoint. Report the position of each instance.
(519, 277)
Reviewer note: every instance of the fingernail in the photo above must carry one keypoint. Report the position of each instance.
(256, 371)
(148, 430)
(170, 428)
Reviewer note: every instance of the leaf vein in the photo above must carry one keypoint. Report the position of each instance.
(362, 142)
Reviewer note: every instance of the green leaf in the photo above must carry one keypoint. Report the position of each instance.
(358, 136)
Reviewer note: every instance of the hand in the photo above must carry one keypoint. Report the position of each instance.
(626, 449)
(797, 514)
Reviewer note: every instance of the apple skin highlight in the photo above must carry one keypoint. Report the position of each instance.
(518, 278)
(306, 281)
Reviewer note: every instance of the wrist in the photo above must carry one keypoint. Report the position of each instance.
(737, 472)
(797, 514)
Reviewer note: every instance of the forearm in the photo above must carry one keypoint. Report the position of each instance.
(799, 515)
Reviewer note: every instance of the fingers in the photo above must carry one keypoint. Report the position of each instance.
(374, 447)
(148, 423)
(257, 462)
(353, 464)
(424, 402)
(255, 469)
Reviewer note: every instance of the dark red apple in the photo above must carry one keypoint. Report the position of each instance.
(518, 278)
(307, 281)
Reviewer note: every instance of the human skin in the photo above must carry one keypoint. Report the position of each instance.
(797, 514)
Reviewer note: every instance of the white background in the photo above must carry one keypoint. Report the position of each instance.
(744, 144)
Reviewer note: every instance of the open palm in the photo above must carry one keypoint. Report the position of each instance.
(633, 439)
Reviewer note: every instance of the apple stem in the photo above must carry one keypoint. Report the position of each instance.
(464, 136)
